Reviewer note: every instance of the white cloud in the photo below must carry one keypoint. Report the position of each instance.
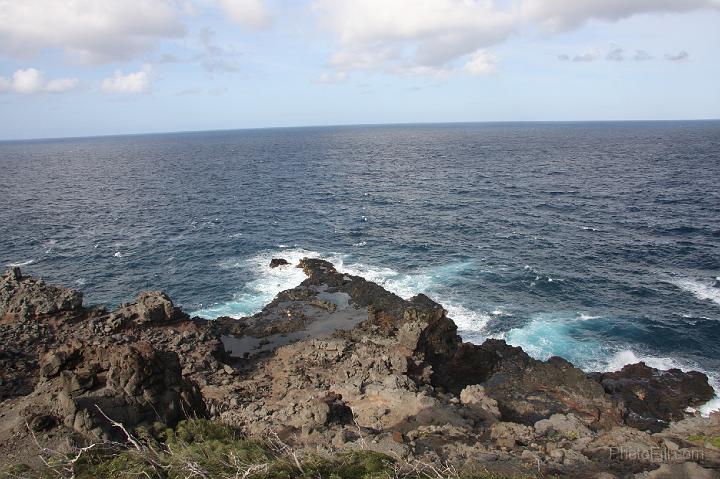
(481, 63)
(248, 13)
(563, 15)
(31, 80)
(434, 37)
(641, 56)
(90, 31)
(615, 54)
(589, 55)
(136, 82)
(679, 57)
(586, 57)
(103, 31)
(214, 57)
(411, 36)
(332, 77)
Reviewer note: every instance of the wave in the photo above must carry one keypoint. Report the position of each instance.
(553, 334)
(565, 336)
(20, 264)
(702, 290)
(268, 282)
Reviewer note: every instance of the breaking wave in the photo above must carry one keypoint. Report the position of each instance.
(571, 335)
(572, 338)
(704, 291)
(268, 282)
(20, 264)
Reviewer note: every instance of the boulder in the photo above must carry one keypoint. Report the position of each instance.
(59, 359)
(131, 385)
(476, 399)
(567, 425)
(528, 390)
(155, 306)
(150, 308)
(653, 397)
(276, 262)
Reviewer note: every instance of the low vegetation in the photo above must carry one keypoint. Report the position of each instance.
(205, 449)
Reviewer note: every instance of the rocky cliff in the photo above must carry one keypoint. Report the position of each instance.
(336, 363)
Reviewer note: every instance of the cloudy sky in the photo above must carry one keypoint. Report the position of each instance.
(89, 67)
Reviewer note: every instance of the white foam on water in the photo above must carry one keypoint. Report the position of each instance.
(268, 282)
(466, 319)
(549, 335)
(545, 336)
(702, 290)
(425, 281)
(118, 254)
(627, 356)
(20, 264)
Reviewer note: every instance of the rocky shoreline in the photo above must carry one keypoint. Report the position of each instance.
(335, 364)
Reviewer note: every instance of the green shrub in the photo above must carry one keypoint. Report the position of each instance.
(117, 465)
(201, 448)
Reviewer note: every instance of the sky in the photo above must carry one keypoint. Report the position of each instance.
(99, 67)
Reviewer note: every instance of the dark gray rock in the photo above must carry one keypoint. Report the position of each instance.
(653, 397)
(28, 297)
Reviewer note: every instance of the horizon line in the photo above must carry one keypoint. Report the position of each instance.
(347, 125)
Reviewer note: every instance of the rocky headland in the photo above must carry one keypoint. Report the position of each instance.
(333, 365)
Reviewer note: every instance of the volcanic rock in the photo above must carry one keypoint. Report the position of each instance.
(528, 390)
(132, 385)
(653, 397)
(476, 399)
(30, 297)
(335, 363)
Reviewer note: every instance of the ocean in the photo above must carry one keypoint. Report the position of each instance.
(598, 242)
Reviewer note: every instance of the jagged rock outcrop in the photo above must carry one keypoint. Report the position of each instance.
(528, 390)
(335, 363)
(30, 297)
(652, 397)
(150, 308)
(86, 388)
(277, 262)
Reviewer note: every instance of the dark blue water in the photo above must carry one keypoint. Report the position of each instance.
(599, 242)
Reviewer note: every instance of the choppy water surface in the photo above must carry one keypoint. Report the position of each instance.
(596, 242)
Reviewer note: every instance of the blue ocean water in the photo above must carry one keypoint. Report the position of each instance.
(599, 242)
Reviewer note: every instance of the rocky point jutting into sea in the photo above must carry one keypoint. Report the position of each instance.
(335, 364)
